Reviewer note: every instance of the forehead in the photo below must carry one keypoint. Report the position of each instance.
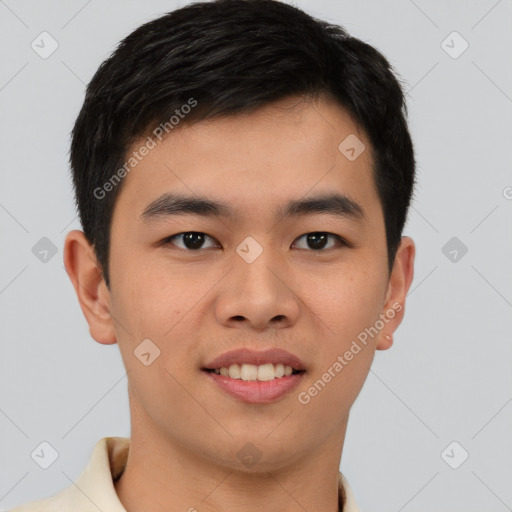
(286, 150)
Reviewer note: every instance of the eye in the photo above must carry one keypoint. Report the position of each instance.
(192, 240)
(317, 240)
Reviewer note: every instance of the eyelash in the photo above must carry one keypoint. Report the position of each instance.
(341, 241)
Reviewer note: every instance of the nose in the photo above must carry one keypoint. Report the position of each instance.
(259, 294)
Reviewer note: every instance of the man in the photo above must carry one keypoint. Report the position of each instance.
(243, 174)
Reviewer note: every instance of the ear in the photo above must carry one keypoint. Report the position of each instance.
(399, 282)
(93, 295)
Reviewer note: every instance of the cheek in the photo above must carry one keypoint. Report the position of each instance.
(149, 295)
(343, 315)
(164, 311)
(346, 303)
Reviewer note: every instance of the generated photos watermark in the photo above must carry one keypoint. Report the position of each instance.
(304, 397)
(151, 141)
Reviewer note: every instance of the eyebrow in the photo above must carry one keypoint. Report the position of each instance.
(170, 204)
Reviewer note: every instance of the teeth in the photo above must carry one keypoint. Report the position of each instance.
(252, 372)
(234, 371)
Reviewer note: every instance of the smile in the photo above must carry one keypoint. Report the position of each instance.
(252, 372)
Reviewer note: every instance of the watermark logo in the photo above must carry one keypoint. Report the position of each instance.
(44, 455)
(44, 250)
(44, 45)
(249, 249)
(454, 45)
(454, 455)
(249, 455)
(454, 249)
(146, 352)
(351, 147)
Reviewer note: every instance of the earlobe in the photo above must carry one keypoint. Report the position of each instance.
(398, 287)
(94, 298)
(386, 343)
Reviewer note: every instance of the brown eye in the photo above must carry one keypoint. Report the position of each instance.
(191, 240)
(318, 240)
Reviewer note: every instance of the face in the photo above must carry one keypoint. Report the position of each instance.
(294, 258)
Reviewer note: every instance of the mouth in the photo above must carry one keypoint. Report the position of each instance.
(252, 372)
(256, 377)
(255, 384)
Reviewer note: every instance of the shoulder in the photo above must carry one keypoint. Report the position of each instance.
(94, 489)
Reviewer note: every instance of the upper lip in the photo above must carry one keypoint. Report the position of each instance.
(248, 356)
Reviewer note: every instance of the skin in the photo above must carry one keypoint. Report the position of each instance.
(194, 306)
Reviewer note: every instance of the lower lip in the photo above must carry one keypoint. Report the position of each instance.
(255, 391)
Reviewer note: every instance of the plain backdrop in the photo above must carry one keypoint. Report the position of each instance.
(441, 394)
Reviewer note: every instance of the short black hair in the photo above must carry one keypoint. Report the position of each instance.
(233, 56)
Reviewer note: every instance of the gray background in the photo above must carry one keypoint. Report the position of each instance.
(448, 376)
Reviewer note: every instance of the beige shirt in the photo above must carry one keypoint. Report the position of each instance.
(94, 489)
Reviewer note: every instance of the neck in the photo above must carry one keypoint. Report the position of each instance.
(163, 475)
